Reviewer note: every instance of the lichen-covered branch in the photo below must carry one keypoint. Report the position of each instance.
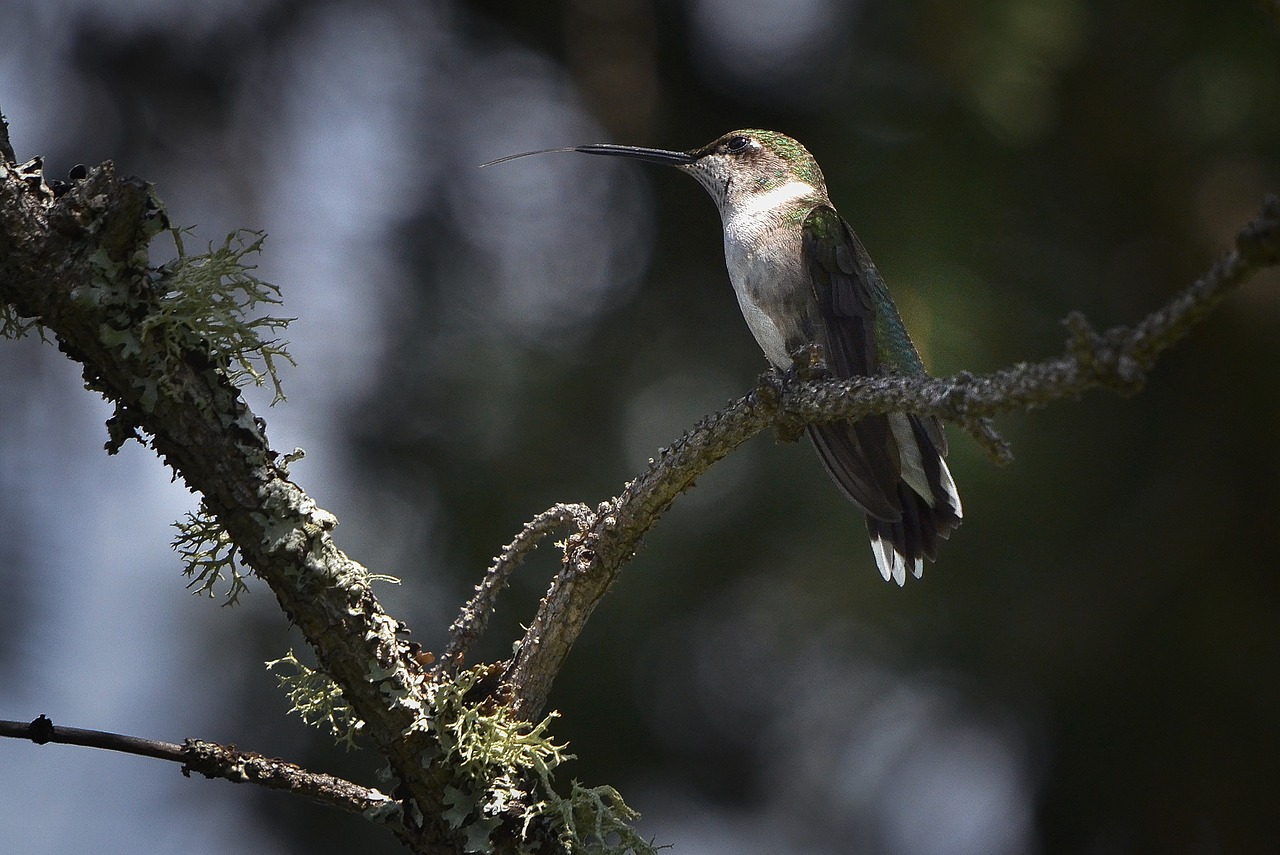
(214, 760)
(79, 265)
(1117, 359)
(74, 263)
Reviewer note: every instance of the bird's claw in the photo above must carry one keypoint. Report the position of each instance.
(808, 362)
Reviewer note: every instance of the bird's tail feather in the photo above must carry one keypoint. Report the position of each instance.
(904, 525)
(903, 544)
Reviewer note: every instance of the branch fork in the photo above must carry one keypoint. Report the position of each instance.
(76, 263)
(602, 541)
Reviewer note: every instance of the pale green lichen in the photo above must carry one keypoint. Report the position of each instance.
(14, 326)
(209, 556)
(501, 768)
(213, 295)
(504, 767)
(597, 820)
(314, 696)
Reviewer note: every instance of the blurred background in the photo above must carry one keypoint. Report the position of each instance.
(1092, 666)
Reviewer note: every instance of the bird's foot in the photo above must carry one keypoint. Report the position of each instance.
(808, 362)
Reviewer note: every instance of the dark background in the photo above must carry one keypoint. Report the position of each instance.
(1092, 665)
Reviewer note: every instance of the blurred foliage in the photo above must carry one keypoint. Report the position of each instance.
(1095, 652)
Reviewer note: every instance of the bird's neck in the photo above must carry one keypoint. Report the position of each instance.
(766, 224)
(748, 214)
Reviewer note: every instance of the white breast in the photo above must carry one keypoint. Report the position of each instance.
(764, 261)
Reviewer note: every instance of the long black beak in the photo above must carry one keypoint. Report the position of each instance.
(652, 155)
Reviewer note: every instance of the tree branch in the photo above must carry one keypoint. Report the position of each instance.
(78, 264)
(1117, 359)
(74, 260)
(474, 617)
(221, 761)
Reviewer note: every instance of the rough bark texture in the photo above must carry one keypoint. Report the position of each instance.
(221, 761)
(79, 265)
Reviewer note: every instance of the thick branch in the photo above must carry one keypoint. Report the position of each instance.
(1117, 360)
(78, 264)
(221, 761)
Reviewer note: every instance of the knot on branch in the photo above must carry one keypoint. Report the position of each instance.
(1108, 357)
(121, 214)
(768, 391)
(123, 426)
(40, 730)
(958, 393)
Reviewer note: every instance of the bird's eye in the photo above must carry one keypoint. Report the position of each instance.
(737, 145)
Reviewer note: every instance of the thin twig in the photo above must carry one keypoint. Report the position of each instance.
(474, 618)
(984, 433)
(221, 761)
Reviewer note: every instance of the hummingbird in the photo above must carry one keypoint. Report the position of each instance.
(803, 278)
